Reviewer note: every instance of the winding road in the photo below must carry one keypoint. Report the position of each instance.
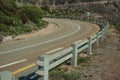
(16, 55)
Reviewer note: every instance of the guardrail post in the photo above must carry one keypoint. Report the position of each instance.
(101, 22)
(97, 42)
(43, 68)
(89, 51)
(103, 34)
(6, 75)
(74, 57)
(46, 67)
(106, 28)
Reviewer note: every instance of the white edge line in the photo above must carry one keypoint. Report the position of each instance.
(54, 50)
(77, 25)
(16, 62)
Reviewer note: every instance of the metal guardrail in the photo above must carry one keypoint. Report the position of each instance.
(47, 62)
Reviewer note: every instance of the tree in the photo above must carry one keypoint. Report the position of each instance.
(35, 14)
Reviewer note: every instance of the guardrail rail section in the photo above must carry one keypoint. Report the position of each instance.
(47, 62)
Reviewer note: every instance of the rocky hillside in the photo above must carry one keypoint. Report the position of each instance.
(109, 11)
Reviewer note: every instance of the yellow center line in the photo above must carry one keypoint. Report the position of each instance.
(23, 69)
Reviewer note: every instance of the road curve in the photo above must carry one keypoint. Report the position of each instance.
(17, 54)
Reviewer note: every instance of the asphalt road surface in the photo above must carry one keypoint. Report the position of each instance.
(17, 55)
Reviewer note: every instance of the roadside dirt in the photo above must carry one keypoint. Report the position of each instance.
(105, 62)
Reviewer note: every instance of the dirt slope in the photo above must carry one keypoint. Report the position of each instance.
(106, 61)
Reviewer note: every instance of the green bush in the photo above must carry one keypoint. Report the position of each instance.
(35, 14)
(19, 30)
(23, 17)
(27, 29)
(72, 75)
(2, 13)
(61, 75)
(117, 27)
(3, 28)
(8, 5)
(84, 60)
(46, 10)
(12, 32)
(13, 19)
(8, 12)
(9, 20)
(56, 75)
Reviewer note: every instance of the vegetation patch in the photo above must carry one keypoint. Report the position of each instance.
(72, 75)
(56, 75)
(19, 20)
(84, 61)
(117, 27)
(62, 75)
(34, 14)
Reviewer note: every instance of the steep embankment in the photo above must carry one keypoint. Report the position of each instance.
(19, 20)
